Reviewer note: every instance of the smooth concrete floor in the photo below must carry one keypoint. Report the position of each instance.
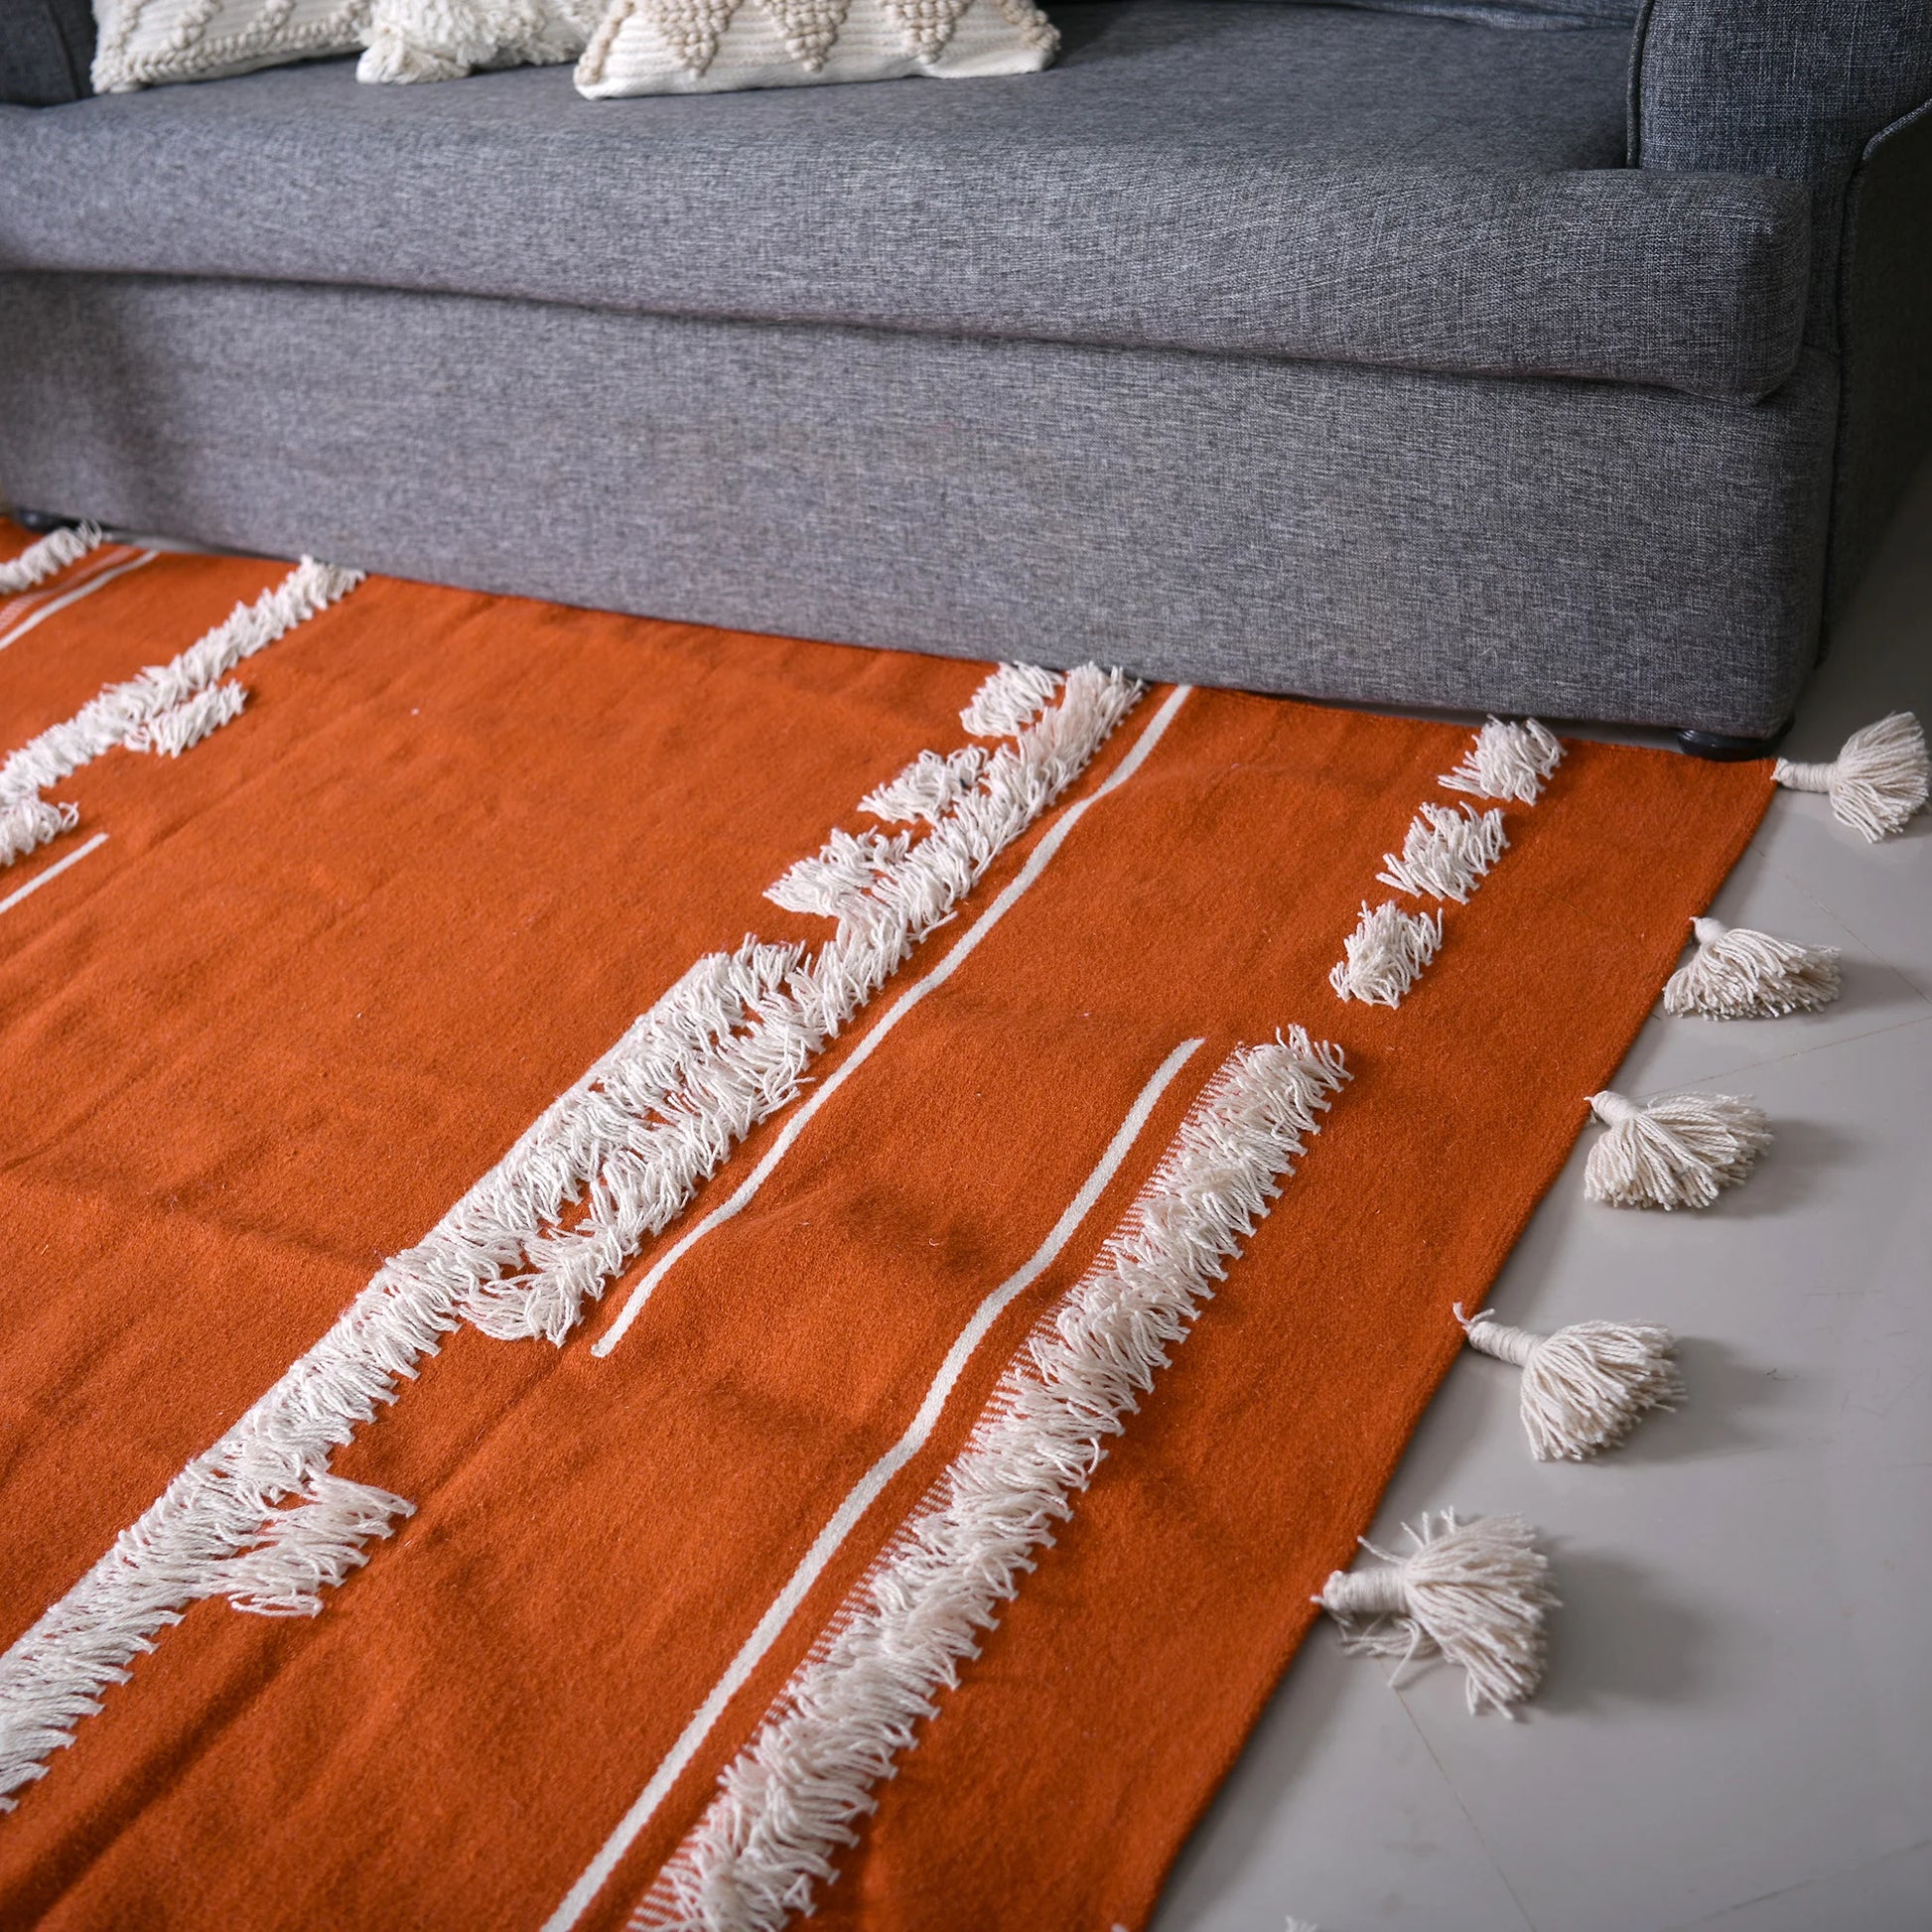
(1737, 1729)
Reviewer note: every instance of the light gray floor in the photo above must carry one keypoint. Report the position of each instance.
(1737, 1731)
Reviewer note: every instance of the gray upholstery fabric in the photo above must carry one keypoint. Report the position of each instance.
(1263, 178)
(46, 47)
(1787, 87)
(1557, 547)
(1514, 13)
(1885, 426)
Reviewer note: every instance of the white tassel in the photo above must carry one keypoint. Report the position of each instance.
(1474, 1592)
(1010, 700)
(1446, 853)
(172, 732)
(1585, 1387)
(1507, 762)
(48, 558)
(1385, 955)
(29, 823)
(1680, 1151)
(928, 789)
(1739, 974)
(840, 874)
(1877, 783)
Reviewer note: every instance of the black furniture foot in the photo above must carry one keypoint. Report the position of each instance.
(42, 521)
(1727, 751)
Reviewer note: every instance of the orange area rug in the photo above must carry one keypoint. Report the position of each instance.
(287, 1019)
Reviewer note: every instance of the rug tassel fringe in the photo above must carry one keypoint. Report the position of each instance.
(29, 823)
(1507, 762)
(310, 1548)
(49, 557)
(182, 726)
(1739, 974)
(1446, 853)
(1385, 955)
(1680, 1151)
(1876, 783)
(1476, 1592)
(1585, 1387)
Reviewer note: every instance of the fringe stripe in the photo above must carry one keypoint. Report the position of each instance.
(794, 1794)
(257, 1518)
(123, 710)
(49, 557)
(956, 957)
(865, 1494)
(1008, 701)
(22, 615)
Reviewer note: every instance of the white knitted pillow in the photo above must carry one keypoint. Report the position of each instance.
(142, 42)
(442, 39)
(690, 47)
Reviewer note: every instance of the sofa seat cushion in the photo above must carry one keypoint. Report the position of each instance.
(1255, 179)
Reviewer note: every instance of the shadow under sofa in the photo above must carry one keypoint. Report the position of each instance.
(1305, 349)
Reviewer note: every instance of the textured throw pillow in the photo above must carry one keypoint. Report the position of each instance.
(147, 41)
(691, 47)
(46, 47)
(441, 39)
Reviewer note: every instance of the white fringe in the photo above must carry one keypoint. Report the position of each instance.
(726, 1047)
(121, 710)
(1474, 1592)
(792, 1796)
(1585, 1387)
(1739, 974)
(173, 731)
(1877, 783)
(49, 557)
(846, 868)
(1680, 1151)
(1446, 853)
(1507, 762)
(1385, 955)
(928, 789)
(790, 1007)
(1008, 701)
(31, 822)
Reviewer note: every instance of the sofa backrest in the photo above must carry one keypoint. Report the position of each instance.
(1797, 89)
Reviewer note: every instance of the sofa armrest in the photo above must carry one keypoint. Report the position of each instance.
(1790, 88)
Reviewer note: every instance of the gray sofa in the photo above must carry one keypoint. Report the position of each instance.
(1364, 354)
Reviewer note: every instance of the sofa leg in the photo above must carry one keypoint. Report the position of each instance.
(1714, 745)
(42, 521)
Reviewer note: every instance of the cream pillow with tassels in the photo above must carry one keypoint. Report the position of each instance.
(692, 47)
(443, 40)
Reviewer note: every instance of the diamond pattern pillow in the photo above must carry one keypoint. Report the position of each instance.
(147, 41)
(689, 46)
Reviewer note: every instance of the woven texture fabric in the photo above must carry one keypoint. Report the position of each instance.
(351, 946)
(689, 46)
(1550, 14)
(1782, 87)
(1264, 179)
(46, 47)
(144, 42)
(1885, 427)
(1573, 549)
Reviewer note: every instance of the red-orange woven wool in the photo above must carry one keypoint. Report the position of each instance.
(329, 963)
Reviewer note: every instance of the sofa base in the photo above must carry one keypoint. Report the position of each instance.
(1722, 748)
(1572, 549)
